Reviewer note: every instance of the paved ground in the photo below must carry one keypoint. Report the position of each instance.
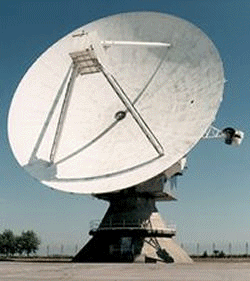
(25, 271)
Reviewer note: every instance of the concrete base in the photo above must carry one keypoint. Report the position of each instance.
(132, 231)
(169, 244)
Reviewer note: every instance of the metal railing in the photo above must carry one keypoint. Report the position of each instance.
(132, 224)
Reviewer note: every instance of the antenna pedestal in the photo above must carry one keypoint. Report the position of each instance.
(132, 231)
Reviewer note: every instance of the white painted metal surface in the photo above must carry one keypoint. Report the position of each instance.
(135, 43)
(175, 91)
(215, 133)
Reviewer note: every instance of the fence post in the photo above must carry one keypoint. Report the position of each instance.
(213, 246)
(198, 249)
(62, 249)
(230, 248)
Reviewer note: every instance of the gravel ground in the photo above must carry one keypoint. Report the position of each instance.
(25, 271)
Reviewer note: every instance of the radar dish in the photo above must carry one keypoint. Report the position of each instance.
(116, 102)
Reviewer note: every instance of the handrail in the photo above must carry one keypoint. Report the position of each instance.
(128, 224)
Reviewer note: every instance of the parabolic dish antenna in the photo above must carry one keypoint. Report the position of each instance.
(116, 102)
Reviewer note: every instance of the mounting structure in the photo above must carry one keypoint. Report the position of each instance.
(112, 110)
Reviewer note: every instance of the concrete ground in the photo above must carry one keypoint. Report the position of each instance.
(26, 271)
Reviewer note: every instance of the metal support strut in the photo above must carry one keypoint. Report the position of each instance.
(133, 111)
(63, 114)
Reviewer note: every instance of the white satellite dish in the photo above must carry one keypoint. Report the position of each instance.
(115, 102)
(112, 110)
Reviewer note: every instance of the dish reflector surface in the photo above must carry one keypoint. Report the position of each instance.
(115, 102)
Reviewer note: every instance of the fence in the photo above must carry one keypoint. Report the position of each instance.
(192, 248)
(228, 247)
(50, 250)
